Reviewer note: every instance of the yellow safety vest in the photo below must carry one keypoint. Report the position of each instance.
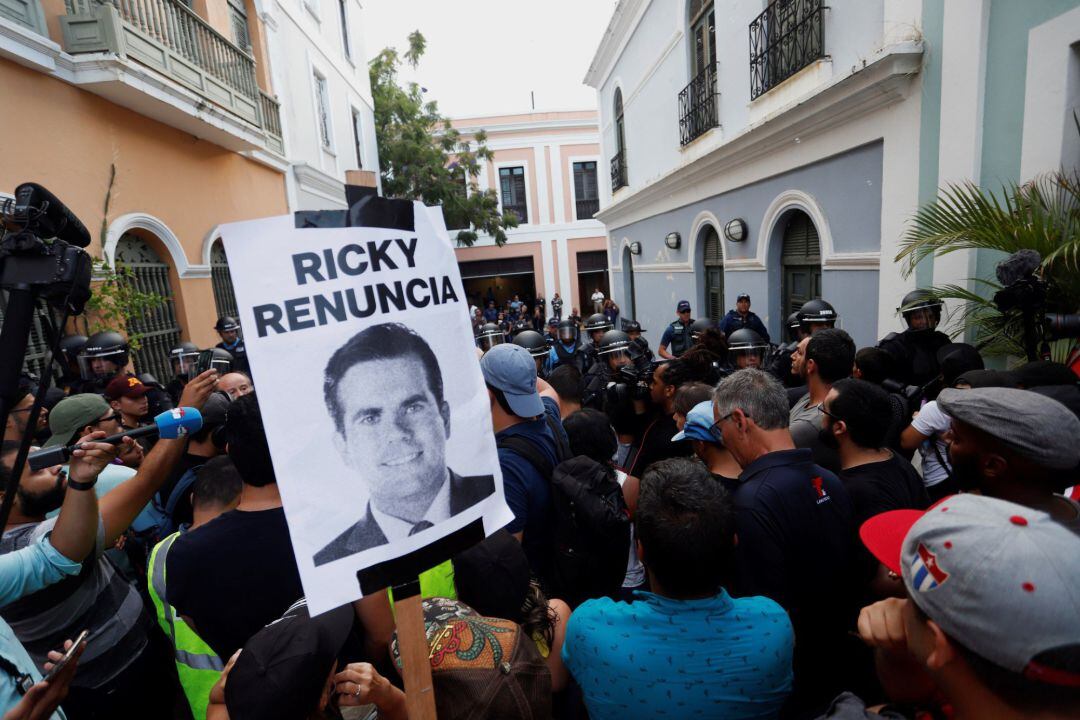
(197, 664)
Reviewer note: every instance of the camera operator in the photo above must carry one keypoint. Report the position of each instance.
(104, 356)
(536, 345)
(655, 418)
(614, 363)
(915, 349)
(567, 349)
(228, 328)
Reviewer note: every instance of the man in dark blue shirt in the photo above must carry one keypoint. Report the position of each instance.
(740, 317)
(795, 530)
(529, 435)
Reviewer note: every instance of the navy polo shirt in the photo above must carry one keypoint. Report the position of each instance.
(528, 493)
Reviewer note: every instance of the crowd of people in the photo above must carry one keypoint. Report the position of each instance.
(724, 528)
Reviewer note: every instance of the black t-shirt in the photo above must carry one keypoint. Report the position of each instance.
(233, 575)
(654, 443)
(878, 487)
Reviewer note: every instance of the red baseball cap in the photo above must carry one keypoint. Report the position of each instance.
(883, 535)
(127, 386)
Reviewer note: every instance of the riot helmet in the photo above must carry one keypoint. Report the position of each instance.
(815, 315)
(568, 332)
(921, 311)
(183, 358)
(228, 328)
(632, 327)
(746, 348)
(221, 360)
(792, 327)
(489, 336)
(104, 355)
(71, 346)
(617, 348)
(699, 326)
(596, 325)
(532, 341)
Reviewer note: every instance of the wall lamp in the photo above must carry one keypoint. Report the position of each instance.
(672, 240)
(735, 230)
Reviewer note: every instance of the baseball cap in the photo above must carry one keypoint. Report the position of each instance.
(1002, 579)
(511, 369)
(481, 667)
(282, 669)
(127, 386)
(699, 422)
(684, 305)
(216, 409)
(493, 575)
(72, 414)
(1031, 425)
(742, 296)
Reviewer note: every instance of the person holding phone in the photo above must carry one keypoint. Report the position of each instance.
(49, 560)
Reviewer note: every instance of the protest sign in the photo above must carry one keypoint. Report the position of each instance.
(370, 391)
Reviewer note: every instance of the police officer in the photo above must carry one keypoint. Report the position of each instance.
(552, 331)
(537, 346)
(615, 351)
(489, 336)
(71, 346)
(915, 349)
(595, 326)
(740, 317)
(780, 363)
(747, 349)
(633, 330)
(699, 326)
(104, 356)
(229, 329)
(183, 358)
(222, 360)
(567, 349)
(677, 335)
(817, 315)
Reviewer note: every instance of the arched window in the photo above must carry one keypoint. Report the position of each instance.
(618, 163)
(224, 299)
(629, 302)
(157, 329)
(713, 256)
(800, 261)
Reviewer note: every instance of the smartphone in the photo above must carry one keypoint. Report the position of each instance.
(59, 664)
(204, 362)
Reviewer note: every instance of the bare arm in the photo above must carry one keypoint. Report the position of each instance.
(545, 390)
(378, 621)
(662, 352)
(559, 674)
(911, 438)
(76, 527)
(120, 505)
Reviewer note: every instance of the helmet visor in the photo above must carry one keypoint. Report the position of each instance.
(568, 334)
(103, 365)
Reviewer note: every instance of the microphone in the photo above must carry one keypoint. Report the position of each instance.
(54, 217)
(169, 425)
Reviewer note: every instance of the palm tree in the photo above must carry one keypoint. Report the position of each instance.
(1042, 215)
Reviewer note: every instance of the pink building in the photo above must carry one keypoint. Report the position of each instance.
(545, 169)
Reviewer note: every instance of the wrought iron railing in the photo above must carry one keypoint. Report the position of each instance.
(697, 106)
(785, 38)
(37, 346)
(618, 171)
(270, 110)
(587, 208)
(178, 28)
(520, 210)
(221, 281)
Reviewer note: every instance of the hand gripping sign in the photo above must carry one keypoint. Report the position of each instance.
(370, 393)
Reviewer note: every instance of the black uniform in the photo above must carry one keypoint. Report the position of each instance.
(239, 354)
(576, 358)
(915, 353)
(780, 365)
(680, 338)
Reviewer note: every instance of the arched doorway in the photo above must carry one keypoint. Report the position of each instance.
(800, 262)
(713, 263)
(629, 302)
(224, 298)
(157, 329)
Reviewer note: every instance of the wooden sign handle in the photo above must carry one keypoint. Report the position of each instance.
(414, 650)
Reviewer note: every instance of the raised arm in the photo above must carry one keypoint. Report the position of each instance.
(76, 527)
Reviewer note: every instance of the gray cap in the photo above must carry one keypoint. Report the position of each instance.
(1001, 579)
(1031, 425)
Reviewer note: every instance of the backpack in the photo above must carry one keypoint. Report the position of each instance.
(592, 531)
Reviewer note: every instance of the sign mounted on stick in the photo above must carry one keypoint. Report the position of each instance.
(371, 394)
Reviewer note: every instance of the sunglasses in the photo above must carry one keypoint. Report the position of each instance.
(714, 429)
(823, 411)
(114, 416)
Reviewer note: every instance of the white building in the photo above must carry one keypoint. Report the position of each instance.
(319, 66)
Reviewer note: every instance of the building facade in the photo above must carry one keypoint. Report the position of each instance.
(780, 148)
(547, 169)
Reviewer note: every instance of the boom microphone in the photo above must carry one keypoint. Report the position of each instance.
(169, 425)
(53, 217)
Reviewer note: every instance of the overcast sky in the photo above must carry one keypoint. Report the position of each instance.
(484, 56)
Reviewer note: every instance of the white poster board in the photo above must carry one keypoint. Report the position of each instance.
(370, 391)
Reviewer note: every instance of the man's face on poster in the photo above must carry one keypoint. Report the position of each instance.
(394, 431)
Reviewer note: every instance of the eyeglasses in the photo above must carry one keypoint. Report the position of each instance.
(823, 411)
(114, 416)
(715, 430)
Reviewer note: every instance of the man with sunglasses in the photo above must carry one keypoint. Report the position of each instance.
(795, 530)
(676, 338)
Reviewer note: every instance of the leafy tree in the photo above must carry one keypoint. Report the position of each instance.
(422, 157)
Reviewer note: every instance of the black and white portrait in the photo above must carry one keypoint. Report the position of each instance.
(384, 391)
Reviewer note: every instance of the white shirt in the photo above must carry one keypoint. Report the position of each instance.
(598, 296)
(933, 422)
(396, 529)
(635, 571)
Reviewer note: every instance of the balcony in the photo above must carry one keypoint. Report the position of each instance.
(785, 38)
(218, 99)
(618, 171)
(587, 208)
(697, 106)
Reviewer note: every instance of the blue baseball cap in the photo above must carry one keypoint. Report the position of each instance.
(511, 369)
(683, 305)
(699, 422)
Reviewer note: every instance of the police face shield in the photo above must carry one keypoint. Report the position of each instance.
(184, 365)
(100, 367)
(222, 365)
(596, 335)
(619, 359)
(489, 340)
(748, 358)
(926, 318)
(568, 335)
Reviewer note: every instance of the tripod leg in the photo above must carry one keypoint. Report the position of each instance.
(14, 336)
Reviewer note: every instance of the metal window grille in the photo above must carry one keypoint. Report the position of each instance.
(697, 106)
(357, 137)
(785, 38)
(224, 298)
(37, 346)
(618, 171)
(512, 184)
(323, 101)
(618, 163)
(158, 327)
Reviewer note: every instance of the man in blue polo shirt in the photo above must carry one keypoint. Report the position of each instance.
(687, 649)
(531, 442)
(795, 528)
